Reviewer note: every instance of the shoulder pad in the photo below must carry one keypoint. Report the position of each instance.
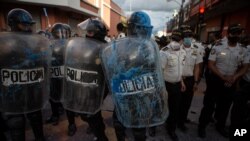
(196, 46)
(241, 45)
(165, 48)
(218, 43)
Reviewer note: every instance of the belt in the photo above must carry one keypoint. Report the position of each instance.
(186, 77)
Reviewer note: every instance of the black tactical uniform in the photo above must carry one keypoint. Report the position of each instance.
(20, 22)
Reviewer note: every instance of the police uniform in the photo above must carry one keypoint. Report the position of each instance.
(28, 91)
(200, 47)
(193, 57)
(84, 95)
(240, 114)
(173, 63)
(227, 60)
(202, 52)
(246, 77)
(125, 114)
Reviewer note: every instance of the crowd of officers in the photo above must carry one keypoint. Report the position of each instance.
(225, 64)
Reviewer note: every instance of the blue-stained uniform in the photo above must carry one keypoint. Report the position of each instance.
(135, 80)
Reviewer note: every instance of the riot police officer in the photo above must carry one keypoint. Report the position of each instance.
(57, 68)
(28, 57)
(190, 76)
(84, 78)
(173, 60)
(227, 62)
(60, 32)
(133, 72)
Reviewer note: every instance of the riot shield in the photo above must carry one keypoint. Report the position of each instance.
(84, 79)
(24, 64)
(135, 79)
(57, 69)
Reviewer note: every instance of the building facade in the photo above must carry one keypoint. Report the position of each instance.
(72, 12)
(218, 15)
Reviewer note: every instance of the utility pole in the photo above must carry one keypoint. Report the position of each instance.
(181, 14)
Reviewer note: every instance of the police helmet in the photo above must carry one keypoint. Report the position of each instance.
(58, 31)
(184, 27)
(187, 33)
(139, 24)
(234, 29)
(19, 16)
(177, 35)
(97, 29)
(68, 30)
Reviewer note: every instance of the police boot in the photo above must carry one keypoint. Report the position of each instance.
(53, 120)
(72, 129)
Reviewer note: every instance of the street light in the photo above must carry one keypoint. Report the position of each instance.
(181, 10)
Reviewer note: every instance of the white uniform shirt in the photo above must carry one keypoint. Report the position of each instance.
(193, 57)
(172, 63)
(247, 75)
(200, 47)
(228, 59)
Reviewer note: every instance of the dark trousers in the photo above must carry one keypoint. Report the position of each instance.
(96, 124)
(70, 117)
(55, 108)
(139, 133)
(16, 125)
(216, 95)
(2, 128)
(240, 113)
(186, 99)
(174, 99)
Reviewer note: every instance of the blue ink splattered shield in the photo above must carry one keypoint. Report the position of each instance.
(24, 64)
(135, 79)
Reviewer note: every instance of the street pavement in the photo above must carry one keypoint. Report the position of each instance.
(59, 132)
